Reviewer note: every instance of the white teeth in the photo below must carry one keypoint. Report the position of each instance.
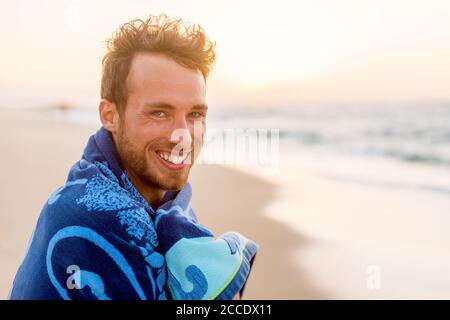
(173, 159)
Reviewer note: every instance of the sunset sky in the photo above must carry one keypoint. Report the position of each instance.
(284, 52)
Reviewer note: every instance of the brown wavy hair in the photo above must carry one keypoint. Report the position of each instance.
(182, 41)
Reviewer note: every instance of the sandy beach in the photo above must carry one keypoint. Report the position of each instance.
(321, 236)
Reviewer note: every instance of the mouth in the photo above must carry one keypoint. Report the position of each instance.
(171, 161)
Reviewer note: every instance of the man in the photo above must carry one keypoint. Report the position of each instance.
(122, 226)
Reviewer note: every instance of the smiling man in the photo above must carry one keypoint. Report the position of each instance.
(122, 226)
(154, 133)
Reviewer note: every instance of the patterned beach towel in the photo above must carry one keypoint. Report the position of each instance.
(97, 238)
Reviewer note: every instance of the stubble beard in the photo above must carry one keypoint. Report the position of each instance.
(135, 162)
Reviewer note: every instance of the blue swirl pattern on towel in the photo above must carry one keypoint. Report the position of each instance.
(97, 238)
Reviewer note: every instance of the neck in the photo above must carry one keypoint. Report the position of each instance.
(150, 193)
(153, 195)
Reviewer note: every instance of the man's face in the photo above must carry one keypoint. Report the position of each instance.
(164, 102)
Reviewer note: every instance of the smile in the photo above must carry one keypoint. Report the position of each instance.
(171, 161)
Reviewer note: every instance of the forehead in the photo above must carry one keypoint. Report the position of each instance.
(156, 77)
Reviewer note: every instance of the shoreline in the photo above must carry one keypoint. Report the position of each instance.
(275, 273)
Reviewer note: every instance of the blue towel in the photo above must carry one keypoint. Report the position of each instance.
(97, 238)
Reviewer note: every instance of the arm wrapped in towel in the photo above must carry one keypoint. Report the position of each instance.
(200, 266)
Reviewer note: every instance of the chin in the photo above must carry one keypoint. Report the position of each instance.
(169, 182)
(176, 185)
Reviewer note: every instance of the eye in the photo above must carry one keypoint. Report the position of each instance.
(196, 114)
(158, 114)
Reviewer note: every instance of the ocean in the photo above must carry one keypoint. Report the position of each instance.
(409, 133)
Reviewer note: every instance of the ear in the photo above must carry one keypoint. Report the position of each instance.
(109, 115)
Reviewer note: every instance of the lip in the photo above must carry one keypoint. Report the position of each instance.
(169, 165)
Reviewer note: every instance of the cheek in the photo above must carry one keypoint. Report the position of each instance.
(143, 131)
(137, 140)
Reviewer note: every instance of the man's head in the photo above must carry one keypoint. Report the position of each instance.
(153, 96)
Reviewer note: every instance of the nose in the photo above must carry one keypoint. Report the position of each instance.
(181, 135)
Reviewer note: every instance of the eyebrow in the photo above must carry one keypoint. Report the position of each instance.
(168, 106)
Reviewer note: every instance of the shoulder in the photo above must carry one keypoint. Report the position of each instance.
(97, 201)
